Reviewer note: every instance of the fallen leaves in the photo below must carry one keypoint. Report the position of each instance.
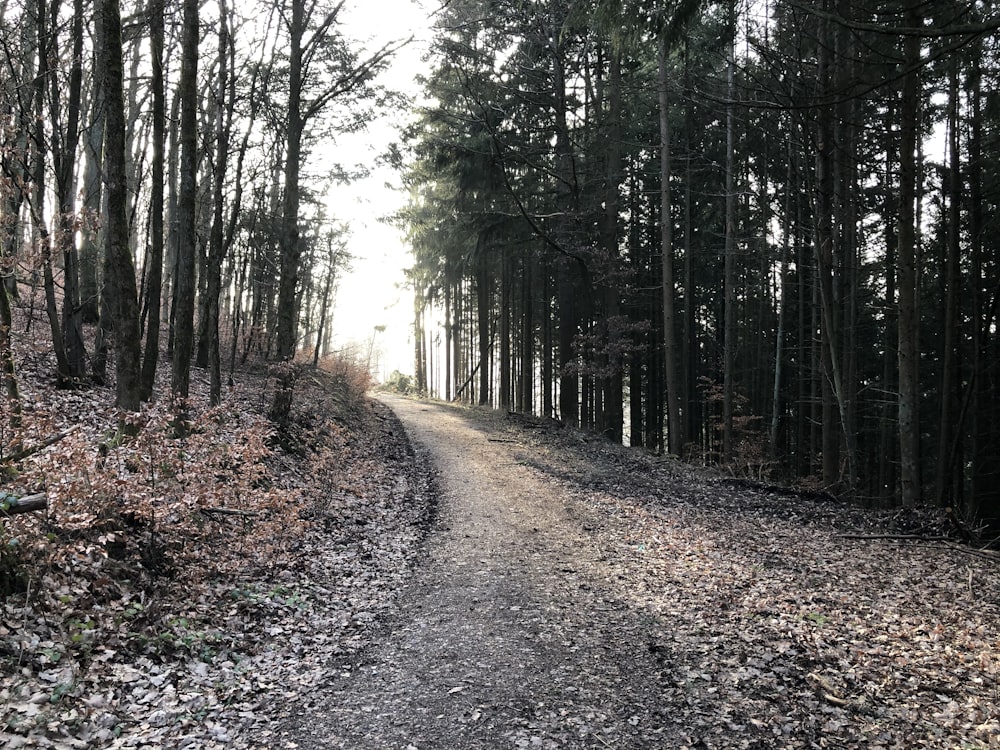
(149, 623)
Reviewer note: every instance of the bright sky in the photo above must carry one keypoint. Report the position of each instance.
(372, 294)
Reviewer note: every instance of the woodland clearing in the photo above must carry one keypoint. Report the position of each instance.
(480, 581)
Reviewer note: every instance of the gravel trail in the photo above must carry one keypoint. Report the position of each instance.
(513, 631)
(576, 594)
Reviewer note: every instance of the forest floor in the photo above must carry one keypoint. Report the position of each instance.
(464, 578)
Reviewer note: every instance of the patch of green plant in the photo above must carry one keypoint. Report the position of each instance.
(60, 690)
(51, 655)
(399, 382)
(817, 618)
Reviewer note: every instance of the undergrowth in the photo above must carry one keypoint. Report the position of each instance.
(141, 507)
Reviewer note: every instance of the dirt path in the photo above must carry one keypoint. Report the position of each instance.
(510, 634)
(575, 594)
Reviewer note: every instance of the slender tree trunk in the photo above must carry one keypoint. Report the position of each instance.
(729, 261)
(41, 152)
(984, 419)
(529, 279)
(154, 283)
(484, 294)
(91, 243)
(671, 350)
(506, 276)
(777, 407)
(952, 334)
(184, 279)
(291, 251)
(888, 429)
(689, 342)
(611, 396)
(908, 352)
(217, 248)
(548, 381)
(65, 167)
(449, 375)
(8, 365)
(117, 253)
(567, 289)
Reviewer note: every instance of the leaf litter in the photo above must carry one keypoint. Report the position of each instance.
(183, 593)
(585, 596)
(213, 592)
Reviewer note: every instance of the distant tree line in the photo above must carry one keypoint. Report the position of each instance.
(762, 235)
(160, 182)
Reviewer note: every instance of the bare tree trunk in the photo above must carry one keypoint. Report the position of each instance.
(41, 232)
(484, 294)
(527, 383)
(671, 350)
(729, 261)
(154, 283)
(777, 406)
(184, 283)
(90, 241)
(65, 160)
(504, 401)
(117, 253)
(7, 364)
(952, 334)
(291, 251)
(908, 352)
(217, 247)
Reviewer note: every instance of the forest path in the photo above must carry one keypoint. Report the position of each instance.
(573, 594)
(514, 632)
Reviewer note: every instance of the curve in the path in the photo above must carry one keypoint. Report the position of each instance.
(511, 633)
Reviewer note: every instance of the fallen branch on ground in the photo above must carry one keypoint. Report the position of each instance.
(11, 505)
(26, 452)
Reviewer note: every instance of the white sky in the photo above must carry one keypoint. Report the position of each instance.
(371, 294)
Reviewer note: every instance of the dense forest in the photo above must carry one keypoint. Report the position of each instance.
(756, 235)
(760, 235)
(161, 185)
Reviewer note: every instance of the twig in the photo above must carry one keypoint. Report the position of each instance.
(26, 452)
(230, 512)
(826, 691)
(983, 553)
(913, 537)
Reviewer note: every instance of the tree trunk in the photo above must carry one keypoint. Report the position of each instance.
(291, 252)
(777, 406)
(91, 244)
(611, 397)
(908, 352)
(527, 383)
(184, 281)
(217, 249)
(154, 283)
(729, 261)
(116, 236)
(671, 350)
(65, 166)
(506, 297)
(484, 294)
(42, 236)
(567, 288)
(950, 376)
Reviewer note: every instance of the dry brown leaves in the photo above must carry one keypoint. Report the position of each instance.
(178, 587)
(777, 630)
